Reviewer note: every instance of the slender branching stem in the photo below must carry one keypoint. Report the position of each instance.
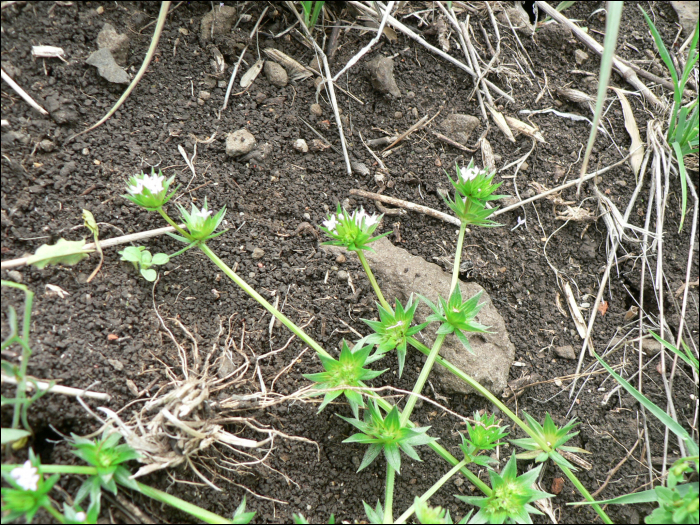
(174, 224)
(422, 378)
(458, 257)
(372, 280)
(389, 494)
(54, 512)
(488, 395)
(432, 490)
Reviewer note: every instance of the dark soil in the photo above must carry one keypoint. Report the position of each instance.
(44, 193)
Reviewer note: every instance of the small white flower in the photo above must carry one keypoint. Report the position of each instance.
(26, 476)
(153, 182)
(468, 173)
(137, 189)
(331, 224)
(80, 517)
(202, 214)
(360, 214)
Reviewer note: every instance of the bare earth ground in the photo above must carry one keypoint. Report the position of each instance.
(44, 193)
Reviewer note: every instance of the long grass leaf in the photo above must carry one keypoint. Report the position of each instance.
(684, 182)
(612, 27)
(662, 416)
(687, 356)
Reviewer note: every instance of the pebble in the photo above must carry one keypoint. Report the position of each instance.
(343, 275)
(581, 56)
(307, 216)
(204, 95)
(458, 482)
(258, 253)
(276, 74)
(381, 71)
(46, 145)
(398, 115)
(239, 143)
(567, 352)
(341, 259)
(15, 276)
(118, 365)
(301, 146)
(316, 110)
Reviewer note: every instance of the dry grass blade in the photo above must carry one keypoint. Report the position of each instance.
(249, 76)
(525, 129)
(576, 314)
(500, 121)
(637, 147)
(295, 69)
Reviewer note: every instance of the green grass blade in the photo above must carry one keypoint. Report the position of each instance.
(688, 357)
(663, 53)
(612, 27)
(684, 182)
(316, 11)
(651, 407)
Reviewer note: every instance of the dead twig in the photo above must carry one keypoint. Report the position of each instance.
(57, 389)
(22, 93)
(615, 469)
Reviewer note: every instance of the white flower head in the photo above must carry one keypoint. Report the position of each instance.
(137, 188)
(468, 173)
(154, 183)
(370, 220)
(202, 214)
(331, 224)
(80, 516)
(26, 476)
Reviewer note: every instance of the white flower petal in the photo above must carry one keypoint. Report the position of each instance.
(467, 173)
(202, 214)
(331, 224)
(26, 476)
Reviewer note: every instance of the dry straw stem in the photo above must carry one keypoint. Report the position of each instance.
(29, 100)
(58, 389)
(626, 72)
(411, 34)
(133, 237)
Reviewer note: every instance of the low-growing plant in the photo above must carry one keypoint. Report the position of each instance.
(310, 12)
(142, 260)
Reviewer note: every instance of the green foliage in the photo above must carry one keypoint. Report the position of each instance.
(683, 124)
(553, 436)
(28, 491)
(63, 252)
(375, 515)
(107, 458)
(484, 435)
(457, 316)
(510, 498)
(347, 371)
(150, 191)
(311, 11)
(300, 519)
(427, 514)
(393, 329)
(142, 260)
(353, 231)
(241, 516)
(473, 189)
(387, 435)
(199, 222)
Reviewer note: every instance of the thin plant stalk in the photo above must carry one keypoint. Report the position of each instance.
(389, 494)
(373, 281)
(458, 257)
(173, 224)
(422, 378)
(432, 490)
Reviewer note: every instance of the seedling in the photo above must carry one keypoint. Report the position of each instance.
(311, 11)
(142, 260)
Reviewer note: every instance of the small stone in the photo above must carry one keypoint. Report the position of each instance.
(218, 21)
(200, 102)
(381, 70)
(580, 56)
(343, 275)
(341, 259)
(301, 146)
(258, 253)
(316, 110)
(318, 145)
(458, 482)
(117, 44)
(398, 115)
(222, 84)
(15, 276)
(209, 83)
(414, 112)
(276, 74)
(107, 67)
(239, 143)
(621, 183)
(85, 152)
(567, 352)
(459, 127)
(410, 94)
(307, 216)
(46, 145)
(118, 365)
(524, 166)
(204, 95)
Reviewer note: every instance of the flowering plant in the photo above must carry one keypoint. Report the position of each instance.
(354, 231)
(29, 491)
(150, 191)
(473, 189)
(200, 223)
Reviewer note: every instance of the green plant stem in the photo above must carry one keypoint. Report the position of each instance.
(488, 395)
(389, 494)
(372, 280)
(255, 295)
(437, 448)
(55, 513)
(458, 257)
(422, 378)
(158, 495)
(174, 224)
(432, 490)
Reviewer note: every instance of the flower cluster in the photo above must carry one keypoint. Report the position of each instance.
(200, 223)
(473, 189)
(26, 476)
(149, 191)
(352, 230)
